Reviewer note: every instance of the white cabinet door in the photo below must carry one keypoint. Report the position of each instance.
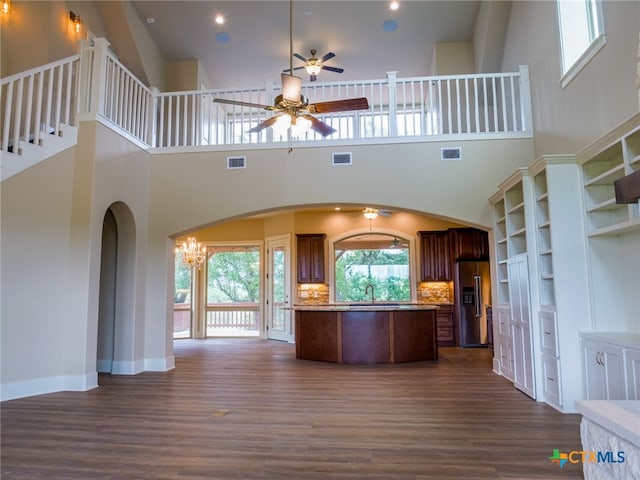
(613, 364)
(521, 324)
(594, 381)
(633, 373)
(603, 371)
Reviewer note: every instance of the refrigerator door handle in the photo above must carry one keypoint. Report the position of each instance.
(478, 295)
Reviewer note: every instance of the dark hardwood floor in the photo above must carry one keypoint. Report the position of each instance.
(247, 409)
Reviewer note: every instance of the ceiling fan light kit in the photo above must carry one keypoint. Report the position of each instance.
(314, 65)
(295, 106)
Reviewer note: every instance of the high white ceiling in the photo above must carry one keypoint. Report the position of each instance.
(258, 46)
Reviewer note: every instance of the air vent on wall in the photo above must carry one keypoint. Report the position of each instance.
(236, 162)
(341, 158)
(451, 153)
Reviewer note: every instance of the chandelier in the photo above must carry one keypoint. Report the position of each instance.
(193, 254)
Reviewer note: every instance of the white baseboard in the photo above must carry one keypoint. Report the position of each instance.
(40, 386)
(160, 364)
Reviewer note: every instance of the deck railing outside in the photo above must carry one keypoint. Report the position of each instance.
(95, 85)
(232, 318)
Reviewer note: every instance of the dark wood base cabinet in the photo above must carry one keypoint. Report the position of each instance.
(365, 337)
(446, 328)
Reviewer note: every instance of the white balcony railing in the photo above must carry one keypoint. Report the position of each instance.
(36, 103)
(95, 85)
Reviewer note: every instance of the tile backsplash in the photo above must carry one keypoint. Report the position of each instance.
(435, 292)
(312, 294)
(428, 292)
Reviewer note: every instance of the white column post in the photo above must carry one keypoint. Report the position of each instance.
(96, 76)
(152, 118)
(393, 100)
(525, 99)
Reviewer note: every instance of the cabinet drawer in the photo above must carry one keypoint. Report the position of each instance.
(551, 374)
(444, 320)
(503, 322)
(445, 336)
(548, 334)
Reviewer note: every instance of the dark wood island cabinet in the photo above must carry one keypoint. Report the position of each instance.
(368, 334)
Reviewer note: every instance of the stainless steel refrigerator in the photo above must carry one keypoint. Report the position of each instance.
(473, 294)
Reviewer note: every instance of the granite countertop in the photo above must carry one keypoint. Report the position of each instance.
(381, 306)
(621, 417)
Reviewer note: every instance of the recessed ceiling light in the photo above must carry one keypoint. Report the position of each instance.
(151, 20)
(219, 19)
(394, 5)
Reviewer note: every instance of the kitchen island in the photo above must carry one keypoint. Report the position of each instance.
(367, 333)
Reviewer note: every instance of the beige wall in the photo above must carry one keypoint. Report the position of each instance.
(602, 96)
(455, 58)
(38, 32)
(35, 245)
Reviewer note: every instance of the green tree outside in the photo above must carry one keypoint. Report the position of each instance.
(351, 279)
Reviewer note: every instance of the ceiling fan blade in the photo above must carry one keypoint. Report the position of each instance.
(327, 56)
(340, 105)
(267, 123)
(243, 104)
(291, 87)
(332, 69)
(294, 68)
(319, 126)
(300, 57)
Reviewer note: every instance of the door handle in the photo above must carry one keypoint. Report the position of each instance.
(478, 295)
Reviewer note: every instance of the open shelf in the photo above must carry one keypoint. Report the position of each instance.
(608, 176)
(600, 169)
(544, 247)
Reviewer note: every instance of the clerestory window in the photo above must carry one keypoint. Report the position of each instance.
(581, 34)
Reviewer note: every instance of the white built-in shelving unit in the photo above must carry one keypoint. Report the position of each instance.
(612, 230)
(512, 352)
(615, 155)
(583, 252)
(544, 246)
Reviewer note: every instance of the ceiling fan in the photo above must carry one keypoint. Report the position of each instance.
(313, 65)
(292, 104)
(371, 213)
(397, 243)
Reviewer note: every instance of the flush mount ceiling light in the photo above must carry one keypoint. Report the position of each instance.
(219, 19)
(394, 5)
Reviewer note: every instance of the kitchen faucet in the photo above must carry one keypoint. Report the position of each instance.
(366, 290)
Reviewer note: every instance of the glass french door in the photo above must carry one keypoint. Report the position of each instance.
(278, 317)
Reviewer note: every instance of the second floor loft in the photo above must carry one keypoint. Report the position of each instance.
(41, 109)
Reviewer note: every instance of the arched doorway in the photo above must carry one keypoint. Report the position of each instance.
(115, 347)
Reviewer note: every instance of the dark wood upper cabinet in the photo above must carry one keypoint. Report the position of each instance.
(436, 260)
(469, 244)
(310, 257)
